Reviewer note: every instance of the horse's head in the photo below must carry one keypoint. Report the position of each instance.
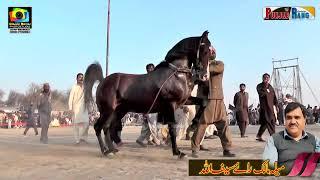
(204, 53)
(197, 50)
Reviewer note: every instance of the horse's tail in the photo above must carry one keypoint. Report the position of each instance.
(93, 74)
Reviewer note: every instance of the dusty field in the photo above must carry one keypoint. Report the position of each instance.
(25, 158)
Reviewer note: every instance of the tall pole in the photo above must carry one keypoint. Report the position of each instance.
(108, 32)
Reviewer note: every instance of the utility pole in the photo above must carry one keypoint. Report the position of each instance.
(108, 35)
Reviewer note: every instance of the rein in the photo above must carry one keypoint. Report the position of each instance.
(176, 69)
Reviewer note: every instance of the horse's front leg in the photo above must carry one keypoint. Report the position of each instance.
(202, 104)
(194, 101)
(175, 150)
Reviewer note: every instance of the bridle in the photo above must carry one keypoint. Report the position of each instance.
(198, 67)
(180, 69)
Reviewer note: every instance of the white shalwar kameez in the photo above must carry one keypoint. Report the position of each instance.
(80, 113)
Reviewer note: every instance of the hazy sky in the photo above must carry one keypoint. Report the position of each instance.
(69, 35)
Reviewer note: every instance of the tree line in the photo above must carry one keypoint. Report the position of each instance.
(22, 100)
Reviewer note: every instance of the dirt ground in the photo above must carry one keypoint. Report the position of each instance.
(25, 158)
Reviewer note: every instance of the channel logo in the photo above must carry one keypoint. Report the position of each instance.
(289, 13)
(19, 19)
(304, 12)
(19, 14)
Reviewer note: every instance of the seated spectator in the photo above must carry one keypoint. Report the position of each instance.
(55, 123)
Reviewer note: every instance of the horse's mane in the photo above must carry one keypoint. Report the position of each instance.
(162, 64)
(184, 48)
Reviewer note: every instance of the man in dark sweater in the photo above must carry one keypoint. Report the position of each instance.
(284, 146)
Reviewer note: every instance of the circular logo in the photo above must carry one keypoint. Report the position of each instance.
(19, 15)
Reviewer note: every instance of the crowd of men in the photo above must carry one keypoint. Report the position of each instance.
(12, 119)
(19, 119)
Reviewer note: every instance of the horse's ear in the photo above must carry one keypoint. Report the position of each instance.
(205, 34)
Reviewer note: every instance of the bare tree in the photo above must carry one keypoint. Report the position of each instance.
(15, 98)
(59, 100)
(32, 93)
(2, 93)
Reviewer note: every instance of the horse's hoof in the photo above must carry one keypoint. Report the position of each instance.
(106, 152)
(110, 155)
(115, 151)
(182, 156)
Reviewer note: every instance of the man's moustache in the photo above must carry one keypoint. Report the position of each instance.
(293, 125)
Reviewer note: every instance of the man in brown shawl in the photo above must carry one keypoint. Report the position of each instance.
(240, 101)
(267, 99)
(214, 113)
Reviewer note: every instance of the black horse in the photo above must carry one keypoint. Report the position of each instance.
(163, 90)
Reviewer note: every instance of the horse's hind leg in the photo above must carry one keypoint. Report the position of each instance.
(98, 127)
(115, 116)
(116, 127)
(107, 136)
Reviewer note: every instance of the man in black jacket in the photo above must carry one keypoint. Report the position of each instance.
(267, 99)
